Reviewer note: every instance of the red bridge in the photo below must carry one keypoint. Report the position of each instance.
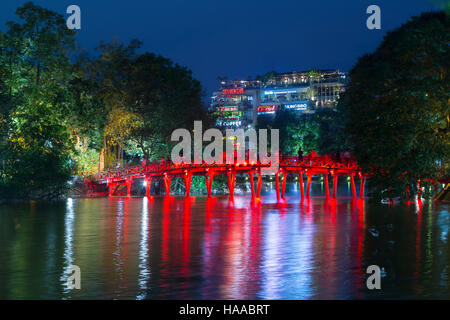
(309, 165)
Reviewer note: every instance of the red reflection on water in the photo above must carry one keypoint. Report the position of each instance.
(332, 204)
(167, 201)
(186, 230)
(210, 205)
(360, 240)
(308, 209)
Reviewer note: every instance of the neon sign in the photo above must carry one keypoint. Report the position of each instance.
(233, 91)
(227, 108)
(267, 109)
(228, 123)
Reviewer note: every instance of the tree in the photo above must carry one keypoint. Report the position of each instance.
(296, 131)
(149, 97)
(396, 107)
(166, 97)
(35, 72)
(331, 131)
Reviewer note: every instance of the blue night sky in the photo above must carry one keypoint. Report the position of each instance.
(238, 38)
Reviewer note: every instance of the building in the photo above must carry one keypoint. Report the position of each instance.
(239, 103)
(235, 105)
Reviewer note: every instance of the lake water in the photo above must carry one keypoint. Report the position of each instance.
(176, 248)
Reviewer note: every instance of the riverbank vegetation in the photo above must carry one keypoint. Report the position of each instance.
(66, 113)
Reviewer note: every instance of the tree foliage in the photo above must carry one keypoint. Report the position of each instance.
(61, 111)
(321, 131)
(35, 74)
(396, 107)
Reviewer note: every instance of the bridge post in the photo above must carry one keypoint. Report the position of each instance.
(209, 180)
(187, 184)
(352, 183)
(111, 186)
(128, 183)
(283, 186)
(335, 180)
(252, 186)
(308, 185)
(300, 180)
(277, 186)
(361, 188)
(167, 185)
(147, 186)
(207, 184)
(231, 178)
(258, 187)
(325, 182)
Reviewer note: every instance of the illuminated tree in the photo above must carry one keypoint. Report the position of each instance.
(35, 72)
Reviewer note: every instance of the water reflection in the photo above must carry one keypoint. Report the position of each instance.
(144, 268)
(198, 248)
(68, 243)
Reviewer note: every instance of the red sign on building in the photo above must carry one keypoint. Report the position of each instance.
(267, 109)
(233, 91)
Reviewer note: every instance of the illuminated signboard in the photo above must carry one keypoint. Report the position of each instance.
(296, 106)
(227, 114)
(233, 91)
(267, 109)
(281, 91)
(220, 123)
(229, 119)
(227, 108)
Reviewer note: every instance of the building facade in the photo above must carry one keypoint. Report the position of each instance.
(234, 105)
(238, 104)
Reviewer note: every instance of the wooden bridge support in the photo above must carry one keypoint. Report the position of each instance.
(335, 180)
(352, 183)
(167, 180)
(325, 185)
(231, 178)
(308, 185)
(111, 186)
(300, 180)
(252, 186)
(258, 186)
(283, 186)
(128, 183)
(361, 188)
(209, 180)
(187, 184)
(148, 185)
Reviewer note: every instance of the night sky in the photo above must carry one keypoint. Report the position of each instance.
(238, 38)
